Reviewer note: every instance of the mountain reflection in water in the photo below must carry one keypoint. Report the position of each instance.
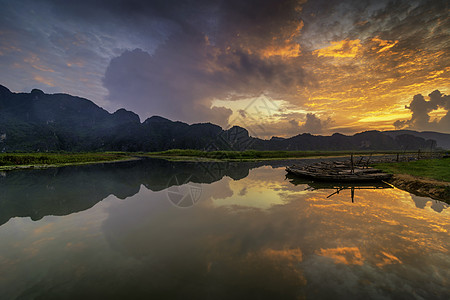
(250, 234)
(62, 191)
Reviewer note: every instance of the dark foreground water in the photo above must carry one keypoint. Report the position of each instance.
(155, 229)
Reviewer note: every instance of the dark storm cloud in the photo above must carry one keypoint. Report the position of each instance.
(313, 124)
(351, 19)
(197, 64)
(192, 51)
(162, 85)
(183, 75)
(337, 20)
(226, 22)
(417, 27)
(421, 108)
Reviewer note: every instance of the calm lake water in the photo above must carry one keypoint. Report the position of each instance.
(217, 231)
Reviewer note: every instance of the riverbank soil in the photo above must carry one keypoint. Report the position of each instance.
(438, 190)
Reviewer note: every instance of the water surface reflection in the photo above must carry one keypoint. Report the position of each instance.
(61, 191)
(252, 234)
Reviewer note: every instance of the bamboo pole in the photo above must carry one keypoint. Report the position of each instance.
(351, 160)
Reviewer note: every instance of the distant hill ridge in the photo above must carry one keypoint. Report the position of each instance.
(442, 139)
(37, 121)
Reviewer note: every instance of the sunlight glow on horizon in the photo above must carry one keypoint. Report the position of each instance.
(353, 67)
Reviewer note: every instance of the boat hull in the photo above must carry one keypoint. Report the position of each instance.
(358, 176)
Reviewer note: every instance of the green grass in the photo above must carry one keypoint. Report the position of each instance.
(239, 155)
(438, 169)
(253, 154)
(435, 169)
(25, 159)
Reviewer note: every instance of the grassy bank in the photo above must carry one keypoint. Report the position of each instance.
(251, 154)
(21, 160)
(437, 169)
(426, 178)
(11, 160)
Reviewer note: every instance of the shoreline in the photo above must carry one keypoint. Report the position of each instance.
(180, 158)
(424, 187)
(48, 166)
(434, 189)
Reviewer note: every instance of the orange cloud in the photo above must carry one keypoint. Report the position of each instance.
(35, 62)
(388, 259)
(43, 80)
(292, 255)
(384, 44)
(296, 31)
(370, 92)
(288, 48)
(285, 51)
(344, 48)
(343, 255)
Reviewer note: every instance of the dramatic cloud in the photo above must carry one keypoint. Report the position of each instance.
(372, 56)
(182, 84)
(421, 109)
(191, 68)
(344, 48)
(314, 125)
(358, 62)
(293, 124)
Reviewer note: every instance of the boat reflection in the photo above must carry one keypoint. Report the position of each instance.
(338, 186)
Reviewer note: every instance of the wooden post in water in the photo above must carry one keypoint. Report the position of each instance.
(351, 160)
(398, 156)
(418, 154)
(368, 160)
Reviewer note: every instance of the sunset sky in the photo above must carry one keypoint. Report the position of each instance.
(277, 67)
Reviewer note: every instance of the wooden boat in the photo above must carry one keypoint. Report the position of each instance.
(338, 171)
(337, 186)
(327, 185)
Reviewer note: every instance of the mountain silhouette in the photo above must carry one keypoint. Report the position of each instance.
(37, 121)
